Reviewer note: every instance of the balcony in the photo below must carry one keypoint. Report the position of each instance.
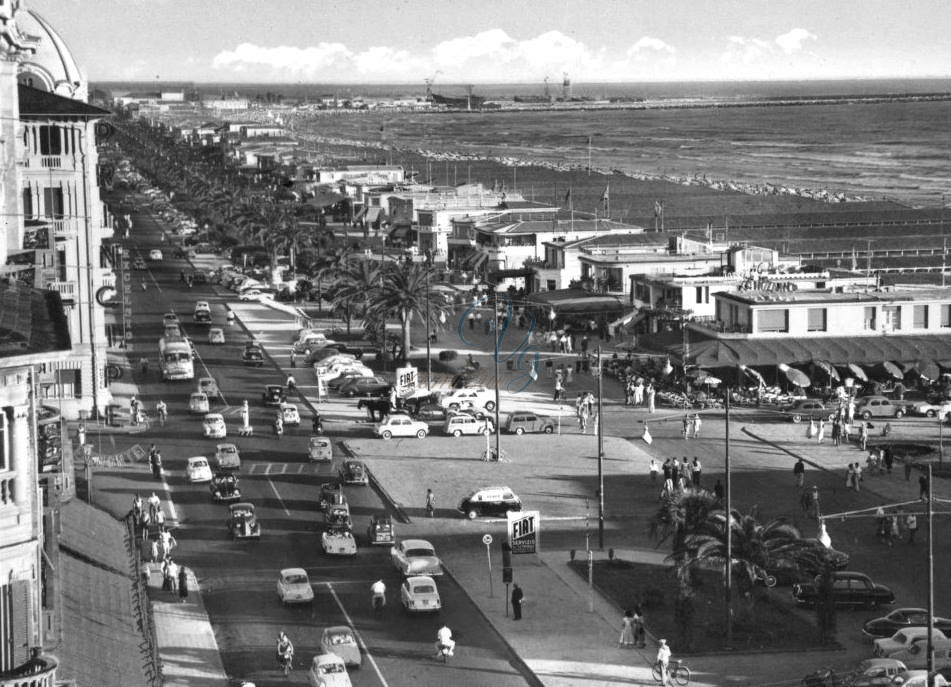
(39, 671)
(724, 330)
(63, 228)
(50, 162)
(66, 289)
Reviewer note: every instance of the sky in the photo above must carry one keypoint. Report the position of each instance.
(502, 41)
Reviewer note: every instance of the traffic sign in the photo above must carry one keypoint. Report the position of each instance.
(487, 539)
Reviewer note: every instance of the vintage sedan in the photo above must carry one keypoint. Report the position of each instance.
(198, 470)
(366, 386)
(198, 403)
(289, 414)
(208, 385)
(227, 457)
(399, 425)
(848, 589)
(273, 395)
(901, 618)
(883, 647)
(340, 641)
(328, 670)
(242, 522)
(338, 541)
(875, 672)
(293, 586)
(138, 263)
(354, 472)
(809, 408)
(330, 493)
(490, 501)
(415, 557)
(522, 422)
(156, 254)
(320, 449)
(419, 594)
(337, 382)
(928, 409)
(170, 318)
(216, 336)
(338, 515)
(224, 487)
(214, 426)
(253, 355)
(380, 531)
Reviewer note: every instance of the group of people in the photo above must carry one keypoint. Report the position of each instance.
(678, 475)
(891, 526)
(691, 426)
(636, 393)
(584, 409)
(148, 519)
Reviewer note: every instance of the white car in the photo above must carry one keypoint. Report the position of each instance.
(918, 678)
(255, 294)
(400, 426)
(419, 594)
(198, 470)
(885, 647)
(198, 403)
(938, 410)
(340, 641)
(156, 254)
(321, 368)
(208, 385)
(349, 367)
(216, 336)
(214, 426)
(463, 423)
(202, 306)
(290, 414)
(328, 670)
(466, 398)
(170, 318)
(338, 542)
(227, 457)
(293, 586)
(416, 557)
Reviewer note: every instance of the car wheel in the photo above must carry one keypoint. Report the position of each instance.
(797, 419)
(387, 434)
(549, 429)
(866, 415)
(457, 433)
(519, 431)
(351, 393)
(930, 413)
(899, 414)
(421, 434)
(486, 432)
(490, 406)
(471, 514)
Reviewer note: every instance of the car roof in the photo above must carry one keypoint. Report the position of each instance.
(416, 543)
(338, 629)
(199, 393)
(215, 416)
(197, 458)
(286, 571)
(420, 579)
(225, 447)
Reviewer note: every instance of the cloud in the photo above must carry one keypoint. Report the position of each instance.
(291, 61)
(793, 41)
(649, 44)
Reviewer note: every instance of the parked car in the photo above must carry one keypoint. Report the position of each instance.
(808, 408)
(208, 386)
(415, 557)
(365, 386)
(354, 472)
(290, 415)
(311, 342)
(340, 641)
(380, 531)
(320, 449)
(197, 470)
(293, 586)
(901, 618)
(522, 422)
(198, 403)
(929, 409)
(318, 355)
(328, 670)
(398, 425)
(350, 367)
(884, 647)
(918, 678)
(338, 541)
(458, 424)
(156, 254)
(171, 318)
(476, 398)
(915, 655)
(242, 522)
(876, 672)
(273, 395)
(867, 407)
(214, 426)
(253, 355)
(419, 594)
(224, 487)
(227, 457)
(345, 377)
(848, 589)
(490, 501)
(255, 293)
(216, 336)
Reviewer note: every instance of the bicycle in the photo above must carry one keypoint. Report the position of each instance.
(286, 661)
(676, 671)
(378, 601)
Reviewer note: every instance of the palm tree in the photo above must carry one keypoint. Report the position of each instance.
(681, 514)
(355, 286)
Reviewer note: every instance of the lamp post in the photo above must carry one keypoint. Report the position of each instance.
(599, 428)
(429, 324)
(495, 358)
(728, 588)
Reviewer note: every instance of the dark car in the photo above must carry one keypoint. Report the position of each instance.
(253, 355)
(380, 530)
(273, 395)
(338, 515)
(365, 386)
(354, 472)
(809, 408)
(520, 423)
(330, 493)
(337, 382)
(242, 523)
(848, 589)
(224, 487)
(901, 618)
(202, 317)
(490, 501)
(804, 568)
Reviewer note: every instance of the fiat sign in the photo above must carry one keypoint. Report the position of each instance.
(523, 531)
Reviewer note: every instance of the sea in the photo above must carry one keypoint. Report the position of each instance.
(869, 139)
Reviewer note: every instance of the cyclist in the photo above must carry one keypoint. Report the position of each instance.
(663, 662)
(444, 641)
(378, 590)
(430, 502)
(285, 649)
(291, 384)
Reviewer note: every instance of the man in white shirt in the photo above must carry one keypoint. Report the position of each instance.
(663, 660)
(444, 639)
(378, 591)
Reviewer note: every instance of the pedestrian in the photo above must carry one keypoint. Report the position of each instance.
(155, 504)
(627, 629)
(687, 425)
(697, 422)
(160, 518)
(718, 490)
(695, 472)
(849, 476)
(863, 435)
(881, 523)
(836, 431)
(652, 468)
(583, 419)
(663, 662)
(923, 487)
(144, 365)
(675, 470)
(821, 433)
(471, 319)
(557, 393)
(639, 627)
(182, 584)
(668, 489)
(666, 469)
(799, 472)
(888, 459)
(162, 411)
(293, 358)
(517, 598)
(154, 550)
(169, 573)
(430, 503)
(857, 478)
(911, 523)
(651, 393)
(894, 529)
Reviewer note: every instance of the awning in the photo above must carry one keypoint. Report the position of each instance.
(359, 215)
(573, 301)
(373, 214)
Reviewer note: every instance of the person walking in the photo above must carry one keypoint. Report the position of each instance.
(652, 469)
(663, 662)
(821, 433)
(687, 426)
(182, 584)
(155, 504)
(293, 358)
(836, 431)
(666, 469)
(863, 435)
(627, 629)
(695, 472)
(518, 596)
(799, 472)
(887, 459)
(849, 476)
(675, 470)
(856, 476)
(911, 524)
(697, 422)
(650, 393)
(668, 489)
(639, 632)
(923, 487)
(430, 503)
(881, 523)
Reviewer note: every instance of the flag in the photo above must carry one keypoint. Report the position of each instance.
(568, 197)
(606, 195)
(646, 436)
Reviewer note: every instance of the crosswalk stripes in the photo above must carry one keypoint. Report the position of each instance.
(268, 469)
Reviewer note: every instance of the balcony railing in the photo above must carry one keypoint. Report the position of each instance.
(63, 228)
(66, 289)
(39, 671)
(67, 162)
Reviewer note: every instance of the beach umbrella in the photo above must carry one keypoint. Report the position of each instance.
(797, 377)
(893, 370)
(928, 369)
(828, 369)
(753, 374)
(858, 372)
(710, 380)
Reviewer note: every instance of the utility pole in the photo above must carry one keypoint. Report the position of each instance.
(429, 325)
(599, 428)
(495, 359)
(728, 589)
(930, 655)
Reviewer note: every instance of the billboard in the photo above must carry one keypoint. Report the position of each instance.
(407, 379)
(523, 532)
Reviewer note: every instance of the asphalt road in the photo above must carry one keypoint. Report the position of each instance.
(239, 579)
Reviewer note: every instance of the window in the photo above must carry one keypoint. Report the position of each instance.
(919, 317)
(891, 317)
(28, 203)
(551, 284)
(946, 315)
(53, 203)
(817, 320)
(51, 142)
(870, 319)
(773, 320)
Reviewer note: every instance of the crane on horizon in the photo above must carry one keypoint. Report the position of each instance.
(429, 84)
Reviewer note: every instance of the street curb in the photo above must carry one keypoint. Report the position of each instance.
(530, 676)
(377, 486)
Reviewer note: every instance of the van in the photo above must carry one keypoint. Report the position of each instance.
(463, 423)
(490, 501)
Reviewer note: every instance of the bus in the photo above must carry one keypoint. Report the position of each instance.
(176, 356)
